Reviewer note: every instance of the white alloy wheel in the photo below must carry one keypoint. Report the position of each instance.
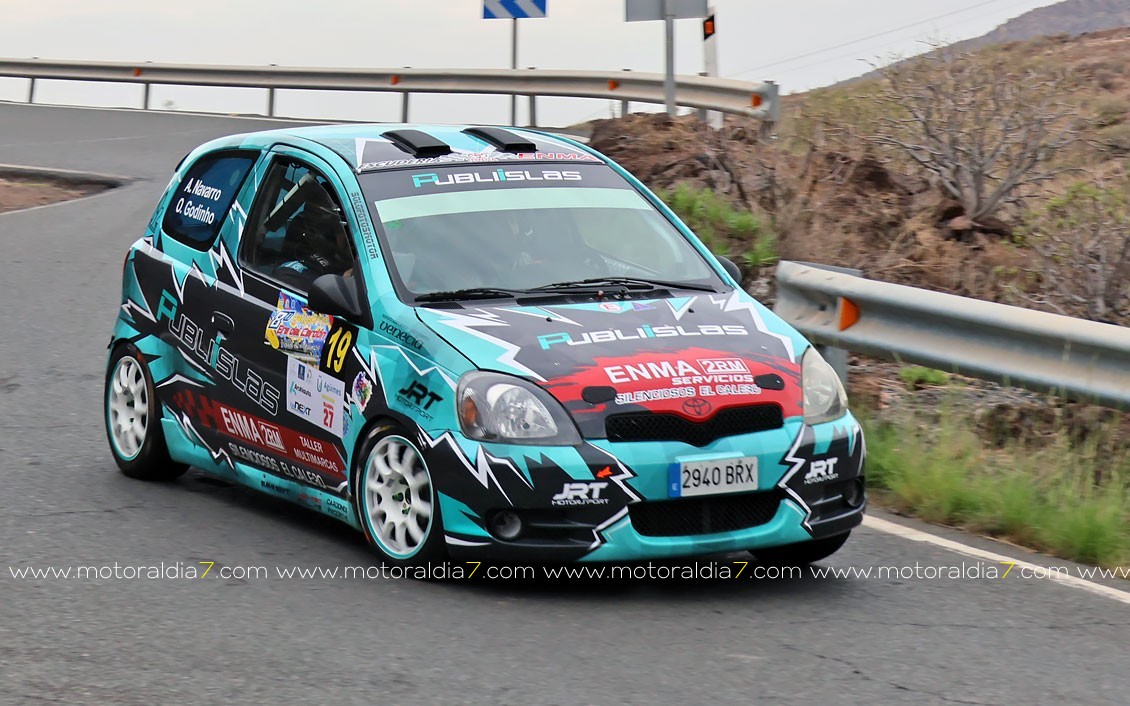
(128, 407)
(398, 497)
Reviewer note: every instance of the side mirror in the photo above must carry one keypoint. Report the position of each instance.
(337, 296)
(731, 268)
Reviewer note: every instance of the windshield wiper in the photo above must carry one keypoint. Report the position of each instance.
(470, 293)
(629, 282)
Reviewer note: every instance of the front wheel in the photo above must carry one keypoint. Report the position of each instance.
(133, 419)
(801, 554)
(396, 500)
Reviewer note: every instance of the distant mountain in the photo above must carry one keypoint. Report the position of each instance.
(1072, 17)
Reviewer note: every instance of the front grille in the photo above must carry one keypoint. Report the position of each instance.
(719, 513)
(645, 426)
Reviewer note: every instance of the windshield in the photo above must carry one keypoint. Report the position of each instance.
(521, 227)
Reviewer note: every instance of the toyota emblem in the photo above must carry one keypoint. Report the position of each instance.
(697, 407)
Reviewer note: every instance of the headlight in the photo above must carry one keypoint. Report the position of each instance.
(824, 396)
(509, 410)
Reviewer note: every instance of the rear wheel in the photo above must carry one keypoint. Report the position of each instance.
(133, 419)
(396, 500)
(802, 553)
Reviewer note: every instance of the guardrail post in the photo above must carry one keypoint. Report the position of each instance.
(145, 96)
(703, 115)
(624, 104)
(270, 102)
(836, 357)
(31, 92)
(533, 105)
(404, 107)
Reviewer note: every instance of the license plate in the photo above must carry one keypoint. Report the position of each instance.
(713, 477)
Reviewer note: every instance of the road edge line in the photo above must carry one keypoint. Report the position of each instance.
(893, 528)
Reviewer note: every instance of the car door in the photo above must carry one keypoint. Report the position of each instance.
(190, 285)
(299, 353)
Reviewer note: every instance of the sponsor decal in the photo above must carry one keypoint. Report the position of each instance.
(300, 333)
(362, 390)
(337, 509)
(472, 157)
(277, 467)
(580, 156)
(842, 458)
(581, 493)
(715, 366)
(663, 393)
(420, 397)
(394, 331)
(269, 442)
(309, 500)
(367, 237)
(289, 302)
(315, 396)
(614, 307)
(493, 176)
(821, 471)
(643, 332)
(704, 377)
(214, 355)
(271, 487)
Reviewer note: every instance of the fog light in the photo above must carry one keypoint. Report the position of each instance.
(854, 493)
(505, 524)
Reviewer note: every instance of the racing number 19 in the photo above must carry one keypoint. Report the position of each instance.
(337, 347)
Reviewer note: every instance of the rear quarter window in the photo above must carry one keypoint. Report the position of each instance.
(201, 202)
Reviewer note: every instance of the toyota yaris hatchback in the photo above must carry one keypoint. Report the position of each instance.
(471, 342)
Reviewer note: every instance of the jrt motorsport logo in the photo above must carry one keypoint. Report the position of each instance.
(418, 396)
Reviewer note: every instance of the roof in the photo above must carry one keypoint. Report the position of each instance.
(372, 147)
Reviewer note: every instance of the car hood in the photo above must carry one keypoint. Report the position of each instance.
(688, 356)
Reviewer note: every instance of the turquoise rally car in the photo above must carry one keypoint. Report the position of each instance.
(471, 342)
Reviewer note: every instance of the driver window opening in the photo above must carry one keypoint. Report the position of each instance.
(298, 231)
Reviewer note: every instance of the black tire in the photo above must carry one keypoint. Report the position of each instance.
(382, 442)
(801, 553)
(150, 459)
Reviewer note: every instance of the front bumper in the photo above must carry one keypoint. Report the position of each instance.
(810, 485)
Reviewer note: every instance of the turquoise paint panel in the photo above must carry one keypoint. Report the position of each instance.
(624, 543)
(185, 450)
(457, 518)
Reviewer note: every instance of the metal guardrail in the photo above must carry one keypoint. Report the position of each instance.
(755, 100)
(1046, 353)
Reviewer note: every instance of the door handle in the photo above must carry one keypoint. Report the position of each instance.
(223, 323)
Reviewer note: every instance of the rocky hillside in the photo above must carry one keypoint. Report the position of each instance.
(831, 195)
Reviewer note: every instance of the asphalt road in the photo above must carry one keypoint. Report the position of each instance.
(275, 640)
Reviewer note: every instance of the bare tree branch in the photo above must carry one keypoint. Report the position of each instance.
(983, 130)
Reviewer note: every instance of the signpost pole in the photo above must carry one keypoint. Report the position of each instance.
(514, 65)
(514, 10)
(669, 78)
(713, 118)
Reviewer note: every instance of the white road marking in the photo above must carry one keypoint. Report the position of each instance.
(1045, 572)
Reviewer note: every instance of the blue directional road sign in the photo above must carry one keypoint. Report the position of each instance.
(513, 9)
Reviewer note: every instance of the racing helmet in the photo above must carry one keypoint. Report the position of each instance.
(317, 232)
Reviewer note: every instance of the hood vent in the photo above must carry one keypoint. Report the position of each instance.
(417, 143)
(504, 140)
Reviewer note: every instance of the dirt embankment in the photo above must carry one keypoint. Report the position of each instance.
(20, 191)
